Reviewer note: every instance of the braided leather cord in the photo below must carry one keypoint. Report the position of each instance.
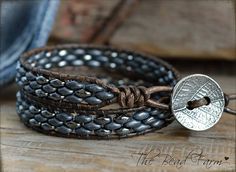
(79, 106)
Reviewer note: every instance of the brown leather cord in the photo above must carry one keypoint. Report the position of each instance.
(228, 98)
(198, 103)
(158, 104)
(205, 101)
(130, 96)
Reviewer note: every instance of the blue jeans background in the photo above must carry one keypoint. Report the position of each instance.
(25, 24)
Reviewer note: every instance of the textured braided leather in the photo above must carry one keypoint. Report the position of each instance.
(79, 105)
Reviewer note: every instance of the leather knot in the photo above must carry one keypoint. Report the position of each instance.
(131, 96)
(136, 96)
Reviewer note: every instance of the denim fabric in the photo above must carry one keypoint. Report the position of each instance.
(25, 24)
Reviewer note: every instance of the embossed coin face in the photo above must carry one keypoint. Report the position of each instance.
(190, 89)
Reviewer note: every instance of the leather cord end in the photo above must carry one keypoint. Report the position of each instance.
(131, 96)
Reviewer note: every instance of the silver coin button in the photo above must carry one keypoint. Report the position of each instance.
(195, 88)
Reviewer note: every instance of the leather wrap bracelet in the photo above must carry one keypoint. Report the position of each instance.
(106, 96)
(94, 92)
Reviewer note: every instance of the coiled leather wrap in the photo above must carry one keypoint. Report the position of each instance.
(93, 92)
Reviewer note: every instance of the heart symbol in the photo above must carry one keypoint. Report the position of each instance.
(226, 158)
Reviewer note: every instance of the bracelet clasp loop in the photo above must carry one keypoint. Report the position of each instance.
(228, 99)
